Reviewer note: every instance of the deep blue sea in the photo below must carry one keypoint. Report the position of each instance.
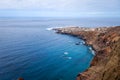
(29, 50)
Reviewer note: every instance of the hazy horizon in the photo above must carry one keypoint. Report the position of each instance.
(59, 8)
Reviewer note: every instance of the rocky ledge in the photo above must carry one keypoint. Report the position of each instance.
(106, 43)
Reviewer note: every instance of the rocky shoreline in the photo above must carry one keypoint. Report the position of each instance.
(105, 41)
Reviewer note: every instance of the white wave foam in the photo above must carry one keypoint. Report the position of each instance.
(93, 52)
(66, 53)
(69, 57)
(83, 42)
(49, 29)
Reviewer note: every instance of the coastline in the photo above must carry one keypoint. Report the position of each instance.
(101, 40)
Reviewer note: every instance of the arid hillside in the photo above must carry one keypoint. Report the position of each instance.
(106, 43)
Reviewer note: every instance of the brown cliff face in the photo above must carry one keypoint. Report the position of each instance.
(107, 68)
(106, 43)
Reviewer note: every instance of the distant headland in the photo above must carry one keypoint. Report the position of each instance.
(106, 43)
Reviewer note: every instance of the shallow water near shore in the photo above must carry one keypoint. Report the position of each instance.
(30, 51)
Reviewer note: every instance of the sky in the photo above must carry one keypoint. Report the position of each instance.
(59, 8)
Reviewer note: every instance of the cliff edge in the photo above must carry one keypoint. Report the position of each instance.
(106, 43)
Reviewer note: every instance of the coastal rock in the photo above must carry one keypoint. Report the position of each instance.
(20, 78)
(106, 43)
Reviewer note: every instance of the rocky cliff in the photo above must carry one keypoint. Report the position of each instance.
(106, 43)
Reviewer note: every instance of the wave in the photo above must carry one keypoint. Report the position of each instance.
(92, 51)
(66, 53)
(69, 57)
(51, 28)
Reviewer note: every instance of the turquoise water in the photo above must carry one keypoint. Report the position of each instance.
(30, 51)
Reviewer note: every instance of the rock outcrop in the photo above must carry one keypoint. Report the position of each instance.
(106, 43)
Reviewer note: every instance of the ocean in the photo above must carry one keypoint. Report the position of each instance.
(29, 49)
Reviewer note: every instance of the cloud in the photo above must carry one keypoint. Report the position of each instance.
(61, 7)
(35, 4)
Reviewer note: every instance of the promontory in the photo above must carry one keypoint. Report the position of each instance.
(106, 43)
